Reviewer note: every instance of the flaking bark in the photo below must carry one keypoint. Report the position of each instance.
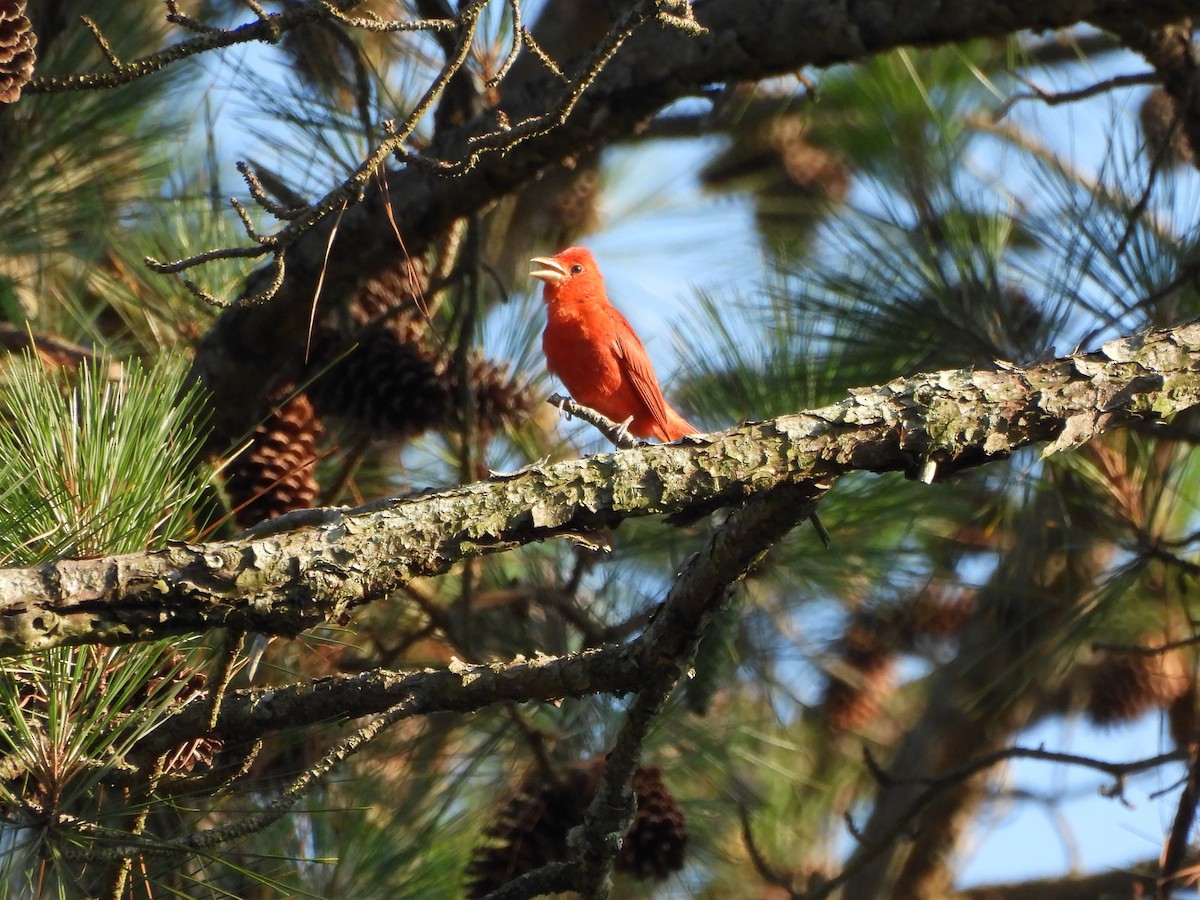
(282, 583)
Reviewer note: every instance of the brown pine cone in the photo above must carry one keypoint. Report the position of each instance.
(531, 830)
(17, 53)
(401, 287)
(501, 401)
(859, 685)
(1162, 129)
(658, 838)
(1125, 686)
(276, 473)
(384, 388)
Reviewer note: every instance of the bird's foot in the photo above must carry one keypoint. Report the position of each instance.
(562, 404)
(622, 436)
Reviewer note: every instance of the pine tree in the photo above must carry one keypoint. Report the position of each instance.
(185, 376)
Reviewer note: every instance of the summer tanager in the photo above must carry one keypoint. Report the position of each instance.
(594, 351)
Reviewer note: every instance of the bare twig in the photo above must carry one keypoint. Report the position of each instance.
(936, 784)
(254, 822)
(605, 425)
(765, 870)
(258, 192)
(349, 192)
(1154, 650)
(1054, 98)
(266, 27)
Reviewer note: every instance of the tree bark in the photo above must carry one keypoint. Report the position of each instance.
(281, 581)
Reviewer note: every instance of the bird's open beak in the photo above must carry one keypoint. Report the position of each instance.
(551, 271)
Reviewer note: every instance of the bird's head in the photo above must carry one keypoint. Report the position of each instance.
(573, 266)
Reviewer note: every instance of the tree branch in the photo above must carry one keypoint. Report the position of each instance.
(267, 28)
(251, 713)
(933, 786)
(282, 583)
(250, 349)
(670, 646)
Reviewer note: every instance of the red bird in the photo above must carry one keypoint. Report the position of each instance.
(594, 351)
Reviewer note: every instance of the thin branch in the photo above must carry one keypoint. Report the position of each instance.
(764, 869)
(252, 713)
(605, 425)
(507, 137)
(1118, 770)
(267, 27)
(669, 647)
(1141, 650)
(209, 838)
(1179, 838)
(518, 31)
(1054, 98)
(935, 785)
(350, 191)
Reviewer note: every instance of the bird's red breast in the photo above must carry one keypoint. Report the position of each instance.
(595, 352)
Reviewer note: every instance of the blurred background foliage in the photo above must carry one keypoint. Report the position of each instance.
(881, 219)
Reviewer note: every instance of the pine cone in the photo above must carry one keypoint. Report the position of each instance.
(385, 387)
(1125, 686)
(501, 402)
(1163, 129)
(394, 384)
(532, 828)
(400, 286)
(276, 473)
(173, 668)
(378, 375)
(855, 693)
(574, 209)
(174, 671)
(658, 838)
(931, 616)
(17, 54)
(198, 751)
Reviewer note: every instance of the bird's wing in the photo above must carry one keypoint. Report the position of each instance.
(636, 363)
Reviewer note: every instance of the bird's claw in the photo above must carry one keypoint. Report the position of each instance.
(622, 435)
(559, 402)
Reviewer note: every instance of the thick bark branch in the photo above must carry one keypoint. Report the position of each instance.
(252, 713)
(281, 583)
(250, 349)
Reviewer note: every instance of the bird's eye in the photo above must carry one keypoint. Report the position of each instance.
(577, 268)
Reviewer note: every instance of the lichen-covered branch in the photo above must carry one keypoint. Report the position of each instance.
(251, 713)
(284, 582)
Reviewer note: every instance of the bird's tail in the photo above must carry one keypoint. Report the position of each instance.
(677, 427)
